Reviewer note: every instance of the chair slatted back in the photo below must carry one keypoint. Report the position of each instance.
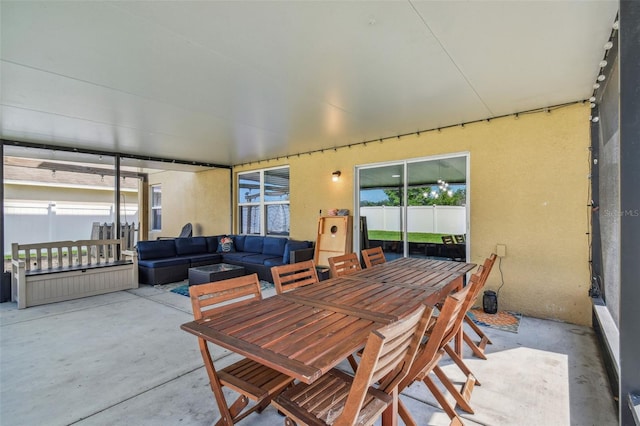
(344, 264)
(387, 358)
(251, 380)
(208, 299)
(460, 239)
(478, 346)
(289, 277)
(448, 239)
(483, 273)
(373, 256)
(488, 265)
(446, 326)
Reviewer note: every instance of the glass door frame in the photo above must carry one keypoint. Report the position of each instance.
(404, 219)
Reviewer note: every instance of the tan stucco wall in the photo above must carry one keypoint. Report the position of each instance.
(528, 190)
(202, 198)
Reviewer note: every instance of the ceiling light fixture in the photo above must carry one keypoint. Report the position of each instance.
(608, 45)
(603, 64)
(601, 77)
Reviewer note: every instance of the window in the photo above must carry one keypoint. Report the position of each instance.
(263, 202)
(156, 207)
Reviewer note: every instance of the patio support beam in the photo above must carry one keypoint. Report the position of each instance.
(629, 207)
(117, 204)
(2, 214)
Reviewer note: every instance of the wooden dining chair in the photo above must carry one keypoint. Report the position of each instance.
(478, 347)
(253, 381)
(338, 398)
(453, 249)
(344, 265)
(440, 333)
(294, 275)
(373, 256)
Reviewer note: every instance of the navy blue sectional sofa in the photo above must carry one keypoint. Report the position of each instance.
(168, 260)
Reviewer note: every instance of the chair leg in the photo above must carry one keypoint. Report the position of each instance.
(263, 404)
(235, 409)
(464, 396)
(477, 351)
(214, 383)
(477, 348)
(352, 362)
(460, 363)
(404, 414)
(461, 400)
(451, 412)
(389, 416)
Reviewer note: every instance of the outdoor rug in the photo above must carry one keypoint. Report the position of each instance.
(502, 320)
(184, 289)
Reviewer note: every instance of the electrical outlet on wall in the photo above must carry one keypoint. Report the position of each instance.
(501, 250)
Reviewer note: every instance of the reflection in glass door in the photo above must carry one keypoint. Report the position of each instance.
(411, 208)
(381, 206)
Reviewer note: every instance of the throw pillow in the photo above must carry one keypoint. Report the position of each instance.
(225, 245)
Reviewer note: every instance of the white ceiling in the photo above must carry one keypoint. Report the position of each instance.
(234, 82)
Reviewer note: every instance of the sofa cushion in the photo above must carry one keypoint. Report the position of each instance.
(212, 244)
(237, 256)
(193, 245)
(274, 261)
(158, 249)
(238, 241)
(293, 246)
(274, 246)
(259, 259)
(161, 263)
(205, 257)
(253, 244)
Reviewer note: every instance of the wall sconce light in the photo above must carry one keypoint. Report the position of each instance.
(335, 176)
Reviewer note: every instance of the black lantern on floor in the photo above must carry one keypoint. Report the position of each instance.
(490, 302)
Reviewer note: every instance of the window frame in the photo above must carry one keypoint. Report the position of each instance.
(262, 205)
(155, 209)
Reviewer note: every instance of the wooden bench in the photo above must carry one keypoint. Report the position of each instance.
(64, 270)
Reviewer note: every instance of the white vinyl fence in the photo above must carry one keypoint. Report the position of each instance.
(430, 219)
(37, 222)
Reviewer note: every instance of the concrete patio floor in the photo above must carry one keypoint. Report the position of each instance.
(121, 359)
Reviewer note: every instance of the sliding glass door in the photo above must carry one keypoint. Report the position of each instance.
(412, 207)
(381, 208)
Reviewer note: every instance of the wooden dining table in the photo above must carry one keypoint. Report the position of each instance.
(306, 332)
(301, 340)
(390, 289)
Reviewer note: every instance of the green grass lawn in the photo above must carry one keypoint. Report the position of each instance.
(414, 237)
